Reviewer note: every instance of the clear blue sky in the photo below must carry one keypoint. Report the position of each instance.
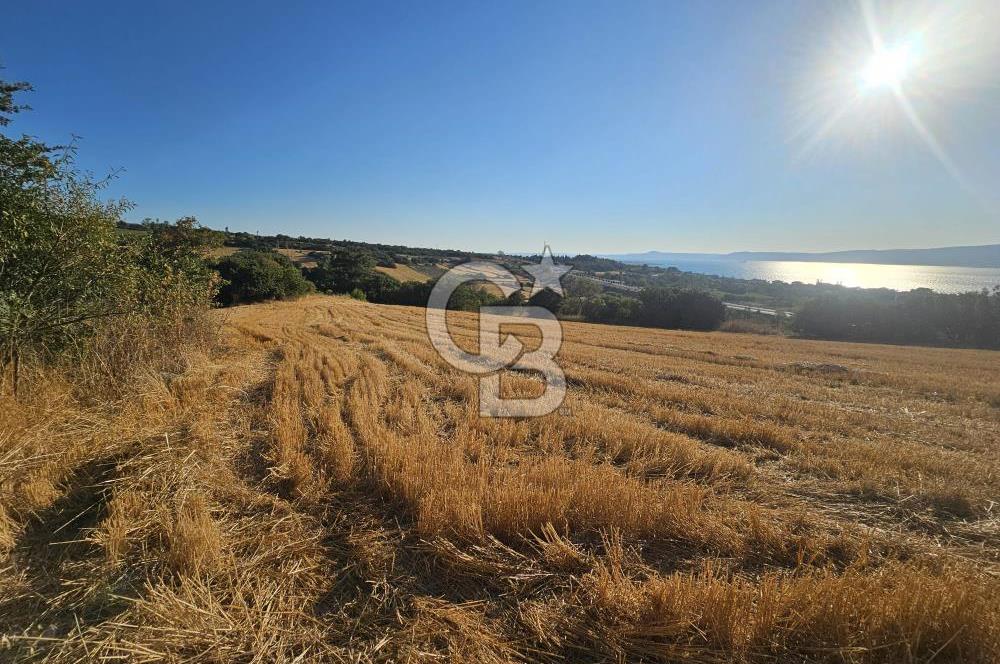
(601, 127)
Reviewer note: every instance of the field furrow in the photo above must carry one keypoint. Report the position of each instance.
(321, 487)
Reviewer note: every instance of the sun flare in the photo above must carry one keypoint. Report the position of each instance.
(881, 68)
(888, 66)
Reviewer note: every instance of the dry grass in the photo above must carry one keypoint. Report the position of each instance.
(221, 252)
(402, 272)
(321, 488)
(301, 257)
(750, 326)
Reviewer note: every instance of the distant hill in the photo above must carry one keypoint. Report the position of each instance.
(979, 256)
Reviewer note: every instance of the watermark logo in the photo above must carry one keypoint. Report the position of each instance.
(496, 352)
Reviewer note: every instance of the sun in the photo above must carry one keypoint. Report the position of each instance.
(887, 67)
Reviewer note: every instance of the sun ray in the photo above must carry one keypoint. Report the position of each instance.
(929, 139)
(884, 70)
(826, 127)
(888, 73)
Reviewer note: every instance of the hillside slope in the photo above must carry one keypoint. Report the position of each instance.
(321, 488)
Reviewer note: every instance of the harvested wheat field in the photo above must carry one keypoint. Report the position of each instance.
(319, 487)
(403, 273)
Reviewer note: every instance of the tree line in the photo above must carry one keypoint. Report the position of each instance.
(920, 316)
(251, 276)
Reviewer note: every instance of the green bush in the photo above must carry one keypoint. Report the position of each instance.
(466, 297)
(919, 316)
(378, 287)
(410, 293)
(255, 276)
(655, 307)
(515, 299)
(611, 308)
(67, 274)
(172, 270)
(470, 298)
(342, 271)
(548, 299)
(683, 309)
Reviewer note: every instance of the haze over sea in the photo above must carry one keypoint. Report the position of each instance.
(863, 275)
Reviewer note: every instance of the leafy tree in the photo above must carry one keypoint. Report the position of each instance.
(468, 297)
(576, 287)
(7, 105)
(919, 316)
(342, 271)
(60, 263)
(173, 274)
(548, 299)
(612, 308)
(623, 309)
(588, 263)
(410, 293)
(515, 299)
(65, 270)
(255, 276)
(572, 307)
(681, 309)
(824, 317)
(60, 266)
(378, 287)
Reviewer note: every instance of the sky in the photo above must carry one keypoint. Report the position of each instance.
(597, 127)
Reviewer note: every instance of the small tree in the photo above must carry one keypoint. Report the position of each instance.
(379, 287)
(579, 287)
(515, 299)
(411, 293)
(548, 299)
(681, 308)
(64, 267)
(342, 271)
(611, 308)
(60, 263)
(173, 272)
(254, 276)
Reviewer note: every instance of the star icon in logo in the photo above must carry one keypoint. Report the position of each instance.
(547, 274)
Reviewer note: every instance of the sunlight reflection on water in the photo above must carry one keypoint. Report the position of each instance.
(863, 275)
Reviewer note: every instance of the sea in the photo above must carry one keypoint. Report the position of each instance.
(860, 275)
